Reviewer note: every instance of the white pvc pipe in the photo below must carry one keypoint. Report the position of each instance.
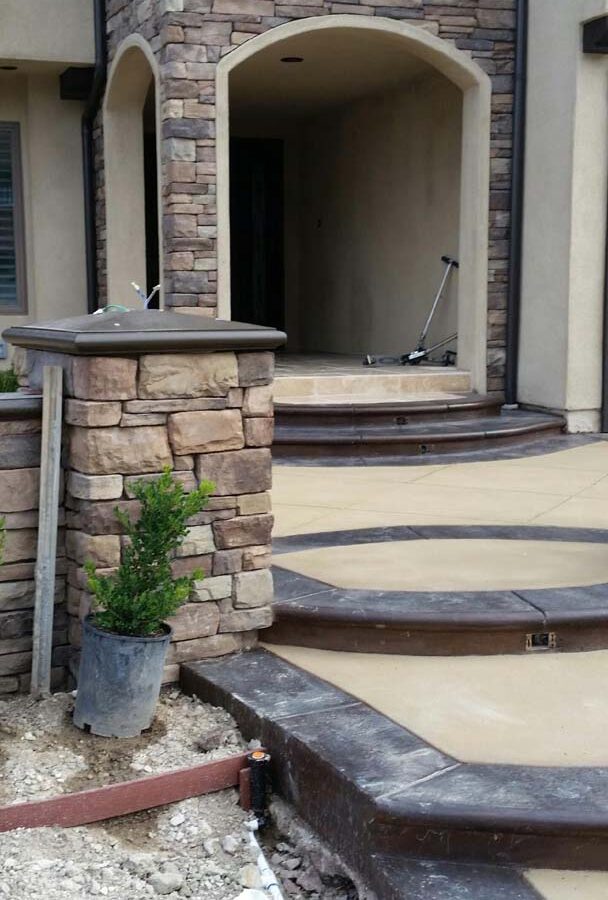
(269, 879)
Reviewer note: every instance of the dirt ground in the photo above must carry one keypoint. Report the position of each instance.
(197, 848)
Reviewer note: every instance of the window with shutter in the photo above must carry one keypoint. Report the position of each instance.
(12, 250)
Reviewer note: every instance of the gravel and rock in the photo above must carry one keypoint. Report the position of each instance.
(197, 848)
(42, 754)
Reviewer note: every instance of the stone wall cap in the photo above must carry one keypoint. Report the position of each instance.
(19, 405)
(117, 333)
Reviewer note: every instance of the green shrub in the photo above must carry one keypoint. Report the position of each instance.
(9, 382)
(143, 592)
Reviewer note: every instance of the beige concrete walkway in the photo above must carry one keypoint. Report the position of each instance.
(454, 565)
(568, 488)
(542, 710)
(535, 710)
(554, 885)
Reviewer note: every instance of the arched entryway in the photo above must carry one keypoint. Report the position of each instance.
(359, 156)
(132, 171)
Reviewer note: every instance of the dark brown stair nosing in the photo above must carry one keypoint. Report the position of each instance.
(414, 407)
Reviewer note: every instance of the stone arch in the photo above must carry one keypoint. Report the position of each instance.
(134, 71)
(475, 86)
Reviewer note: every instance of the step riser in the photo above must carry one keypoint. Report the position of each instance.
(576, 851)
(374, 384)
(288, 447)
(345, 418)
(323, 635)
(406, 879)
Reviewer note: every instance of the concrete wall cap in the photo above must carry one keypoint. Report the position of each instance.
(117, 333)
(19, 405)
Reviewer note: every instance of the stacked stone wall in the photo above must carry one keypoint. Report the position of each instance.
(19, 486)
(189, 37)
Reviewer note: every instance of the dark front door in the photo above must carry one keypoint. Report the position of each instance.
(256, 231)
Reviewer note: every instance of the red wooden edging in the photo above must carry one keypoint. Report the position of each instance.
(125, 797)
(245, 789)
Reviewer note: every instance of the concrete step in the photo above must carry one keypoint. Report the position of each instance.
(391, 383)
(410, 438)
(358, 412)
(373, 789)
(312, 613)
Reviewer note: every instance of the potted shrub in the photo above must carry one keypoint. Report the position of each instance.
(126, 637)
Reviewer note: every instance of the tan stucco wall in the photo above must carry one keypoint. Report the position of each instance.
(53, 195)
(565, 215)
(133, 70)
(47, 30)
(380, 205)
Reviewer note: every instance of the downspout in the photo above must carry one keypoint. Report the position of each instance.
(517, 202)
(88, 151)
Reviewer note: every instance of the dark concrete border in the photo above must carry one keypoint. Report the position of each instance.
(388, 533)
(370, 786)
(538, 447)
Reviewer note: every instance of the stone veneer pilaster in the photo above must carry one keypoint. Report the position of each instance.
(189, 37)
(205, 413)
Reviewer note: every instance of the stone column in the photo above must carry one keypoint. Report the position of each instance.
(202, 406)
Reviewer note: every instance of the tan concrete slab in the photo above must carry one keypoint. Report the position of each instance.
(493, 505)
(576, 512)
(527, 710)
(534, 479)
(596, 491)
(593, 457)
(556, 885)
(310, 520)
(295, 475)
(454, 565)
(566, 488)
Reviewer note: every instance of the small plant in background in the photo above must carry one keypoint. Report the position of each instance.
(143, 592)
(9, 383)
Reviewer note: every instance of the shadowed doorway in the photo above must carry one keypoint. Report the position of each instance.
(256, 236)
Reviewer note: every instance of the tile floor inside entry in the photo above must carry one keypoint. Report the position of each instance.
(522, 710)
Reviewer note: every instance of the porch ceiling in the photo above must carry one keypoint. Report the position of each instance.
(336, 68)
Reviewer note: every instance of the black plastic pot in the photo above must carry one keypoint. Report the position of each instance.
(119, 681)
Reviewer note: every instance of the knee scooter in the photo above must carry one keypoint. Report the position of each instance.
(415, 357)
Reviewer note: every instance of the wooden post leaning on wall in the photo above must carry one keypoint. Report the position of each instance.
(50, 464)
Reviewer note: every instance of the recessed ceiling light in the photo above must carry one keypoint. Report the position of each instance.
(292, 59)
